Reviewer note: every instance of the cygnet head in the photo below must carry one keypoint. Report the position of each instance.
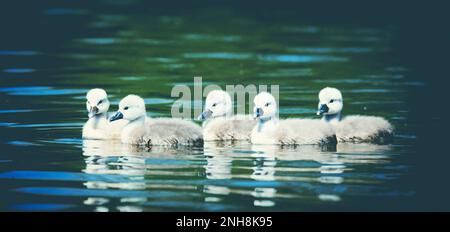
(265, 106)
(218, 104)
(97, 102)
(330, 101)
(131, 107)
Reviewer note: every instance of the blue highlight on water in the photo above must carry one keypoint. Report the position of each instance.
(41, 207)
(18, 70)
(301, 58)
(18, 53)
(40, 90)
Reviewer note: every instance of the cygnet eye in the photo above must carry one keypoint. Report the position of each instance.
(332, 100)
(214, 105)
(100, 102)
(267, 104)
(125, 108)
(88, 102)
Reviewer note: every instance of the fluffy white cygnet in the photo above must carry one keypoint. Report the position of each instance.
(142, 130)
(219, 123)
(355, 128)
(271, 130)
(98, 126)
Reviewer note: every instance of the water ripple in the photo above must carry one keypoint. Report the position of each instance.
(41, 207)
(18, 53)
(39, 90)
(301, 58)
(218, 55)
(19, 70)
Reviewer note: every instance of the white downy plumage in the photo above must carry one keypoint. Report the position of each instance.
(355, 128)
(142, 130)
(219, 123)
(98, 125)
(270, 130)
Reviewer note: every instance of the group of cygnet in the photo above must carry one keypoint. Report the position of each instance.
(131, 124)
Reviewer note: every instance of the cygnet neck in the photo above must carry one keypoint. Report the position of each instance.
(224, 115)
(132, 125)
(266, 123)
(97, 118)
(101, 115)
(332, 118)
(138, 121)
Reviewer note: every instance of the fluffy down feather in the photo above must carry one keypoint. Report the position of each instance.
(99, 127)
(230, 128)
(270, 130)
(355, 128)
(142, 130)
(359, 129)
(220, 124)
(165, 132)
(294, 132)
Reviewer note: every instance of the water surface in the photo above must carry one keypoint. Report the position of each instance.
(46, 166)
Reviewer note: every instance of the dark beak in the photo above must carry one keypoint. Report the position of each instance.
(323, 109)
(205, 115)
(92, 111)
(258, 112)
(118, 115)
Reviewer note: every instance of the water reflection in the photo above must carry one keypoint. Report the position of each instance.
(301, 166)
(119, 177)
(218, 167)
(112, 157)
(264, 170)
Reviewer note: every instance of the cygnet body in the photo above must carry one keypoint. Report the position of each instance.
(142, 130)
(355, 128)
(98, 125)
(271, 130)
(219, 122)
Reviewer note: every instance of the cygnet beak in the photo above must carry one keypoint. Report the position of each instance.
(323, 109)
(93, 110)
(258, 113)
(205, 115)
(118, 115)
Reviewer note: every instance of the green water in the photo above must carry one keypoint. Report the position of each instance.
(45, 165)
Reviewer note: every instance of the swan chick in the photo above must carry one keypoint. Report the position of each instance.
(271, 130)
(219, 123)
(354, 128)
(98, 126)
(142, 130)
